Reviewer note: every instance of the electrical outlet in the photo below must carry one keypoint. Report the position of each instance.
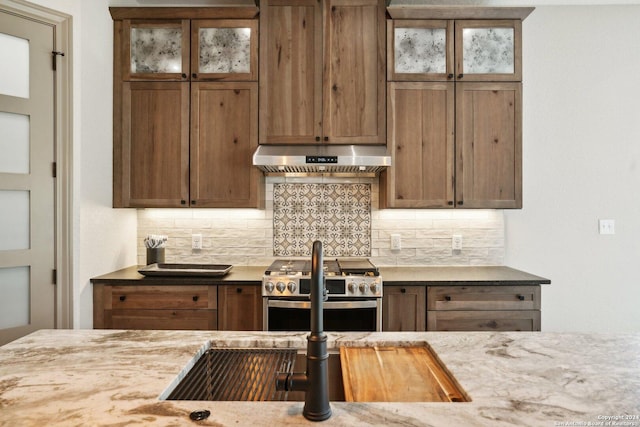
(456, 242)
(607, 226)
(196, 241)
(396, 242)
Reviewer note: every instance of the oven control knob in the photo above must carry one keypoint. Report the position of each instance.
(291, 286)
(353, 288)
(269, 287)
(280, 286)
(375, 288)
(363, 288)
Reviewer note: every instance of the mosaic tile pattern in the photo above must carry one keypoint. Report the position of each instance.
(156, 50)
(488, 50)
(225, 50)
(339, 215)
(420, 50)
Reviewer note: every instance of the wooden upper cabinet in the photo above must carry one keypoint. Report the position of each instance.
(322, 72)
(151, 166)
(224, 119)
(421, 140)
(354, 77)
(290, 71)
(155, 49)
(224, 49)
(454, 50)
(489, 145)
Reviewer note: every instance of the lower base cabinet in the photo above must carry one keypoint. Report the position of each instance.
(239, 308)
(155, 307)
(483, 308)
(404, 308)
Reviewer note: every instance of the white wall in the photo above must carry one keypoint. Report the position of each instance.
(581, 163)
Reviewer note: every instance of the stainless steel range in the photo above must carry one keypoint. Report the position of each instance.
(354, 295)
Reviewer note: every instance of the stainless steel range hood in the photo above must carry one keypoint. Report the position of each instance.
(322, 159)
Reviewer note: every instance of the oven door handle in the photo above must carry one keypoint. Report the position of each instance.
(341, 305)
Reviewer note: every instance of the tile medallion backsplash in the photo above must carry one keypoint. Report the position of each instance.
(339, 215)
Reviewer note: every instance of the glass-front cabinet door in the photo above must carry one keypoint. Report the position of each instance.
(156, 50)
(224, 49)
(420, 50)
(488, 50)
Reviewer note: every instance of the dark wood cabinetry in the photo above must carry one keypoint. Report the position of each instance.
(239, 308)
(169, 121)
(322, 72)
(155, 307)
(483, 308)
(404, 308)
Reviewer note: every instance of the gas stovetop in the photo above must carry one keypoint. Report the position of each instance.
(334, 267)
(353, 277)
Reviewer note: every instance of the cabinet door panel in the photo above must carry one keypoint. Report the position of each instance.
(155, 49)
(224, 49)
(223, 138)
(421, 118)
(290, 71)
(155, 145)
(489, 145)
(354, 77)
(489, 50)
(403, 308)
(240, 308)
(483, 321)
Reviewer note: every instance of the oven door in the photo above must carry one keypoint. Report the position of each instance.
(340, 315)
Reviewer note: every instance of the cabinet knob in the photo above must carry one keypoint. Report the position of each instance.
(184, 75)
(326, 138)
(450, 203)
(447, 298)
(183, 202)
(403, 291)
(460, 202)
(317, 138)
(195, 298)
(194, 75)
(123, 297)
(239, 290)
(450, 76)
(193, 202)
(460, 75)
(520, 297)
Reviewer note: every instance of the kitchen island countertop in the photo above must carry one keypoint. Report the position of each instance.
(114, 377)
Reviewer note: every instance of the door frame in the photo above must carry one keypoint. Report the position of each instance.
(63, 126)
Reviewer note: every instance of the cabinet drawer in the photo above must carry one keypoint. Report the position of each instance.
(497, 297)
(523, 320)
(162, 319)
(162, 297)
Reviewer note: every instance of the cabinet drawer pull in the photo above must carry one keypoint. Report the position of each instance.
(403, 291)
(239, 290)
(520, 297)
(123, 297)
(447, 298)
(460, 75)
(450, 76)
(195, 298)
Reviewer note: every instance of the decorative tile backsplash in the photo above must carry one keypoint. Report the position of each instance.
(339, 215)
(246, 236)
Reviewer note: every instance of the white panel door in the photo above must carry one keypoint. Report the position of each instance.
(27, 235)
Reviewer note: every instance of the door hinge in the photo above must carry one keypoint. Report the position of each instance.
(54, 169)
(54, 277)
(54, 56)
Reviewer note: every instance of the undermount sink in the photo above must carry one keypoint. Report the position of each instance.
(371, 374)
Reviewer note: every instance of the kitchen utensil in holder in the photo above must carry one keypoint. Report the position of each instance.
(155, 255)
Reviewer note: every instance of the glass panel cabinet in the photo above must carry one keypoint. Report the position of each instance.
(454, 50)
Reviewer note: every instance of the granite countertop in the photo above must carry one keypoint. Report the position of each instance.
(107, 377)
(480, 275)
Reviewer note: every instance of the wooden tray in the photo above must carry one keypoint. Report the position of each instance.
(186, 270)
(397, 374)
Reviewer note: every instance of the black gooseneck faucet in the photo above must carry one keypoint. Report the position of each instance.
(315, 382)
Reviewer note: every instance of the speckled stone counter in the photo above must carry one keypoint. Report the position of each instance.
(106, 377)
